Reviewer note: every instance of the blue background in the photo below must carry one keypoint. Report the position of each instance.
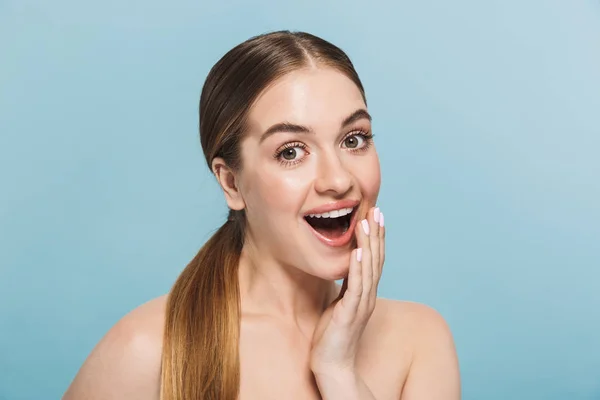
(487, 117)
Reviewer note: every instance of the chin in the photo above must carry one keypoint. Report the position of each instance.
(336, 269)
(339, 276)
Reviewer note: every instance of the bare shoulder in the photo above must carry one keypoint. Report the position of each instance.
(126, 362)
(434, 369)
(411, 317)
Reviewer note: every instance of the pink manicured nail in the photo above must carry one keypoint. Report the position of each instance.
(359, 254)
(381, 220)
(365, 225)
(376, 214)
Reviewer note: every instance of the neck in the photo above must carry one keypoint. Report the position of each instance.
(269, 288)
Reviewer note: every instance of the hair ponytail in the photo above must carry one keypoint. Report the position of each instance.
(200, 357)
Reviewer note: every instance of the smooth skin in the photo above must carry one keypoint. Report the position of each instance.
(302, 335)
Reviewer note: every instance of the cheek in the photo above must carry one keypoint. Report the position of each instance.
(369, 178)
(272, 192)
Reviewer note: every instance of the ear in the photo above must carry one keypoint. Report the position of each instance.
(227, 181)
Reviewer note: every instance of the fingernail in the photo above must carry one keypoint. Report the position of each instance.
(381, 220)
(376, 214)
(365, 225)
(359, 254)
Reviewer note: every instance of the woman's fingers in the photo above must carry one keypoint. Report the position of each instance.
(352, 297)
(365, 263)
(381, 244)
(367, 256)
(375, 248)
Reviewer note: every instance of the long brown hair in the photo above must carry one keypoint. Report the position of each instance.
(200, 358)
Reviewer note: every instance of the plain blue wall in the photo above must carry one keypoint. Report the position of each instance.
(487, 117)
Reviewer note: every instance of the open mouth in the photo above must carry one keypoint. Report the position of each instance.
(332, 225)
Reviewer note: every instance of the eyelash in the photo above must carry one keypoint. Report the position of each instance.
(367, 137)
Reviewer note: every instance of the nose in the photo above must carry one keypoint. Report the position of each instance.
(333, 176)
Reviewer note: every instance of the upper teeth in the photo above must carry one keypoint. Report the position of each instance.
(333, 214)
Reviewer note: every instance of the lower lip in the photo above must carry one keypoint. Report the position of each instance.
(340, 241)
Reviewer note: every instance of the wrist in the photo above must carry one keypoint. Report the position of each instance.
(335, 371)
(335, 374)
(337, 384)
(341, 384)
(336, 378)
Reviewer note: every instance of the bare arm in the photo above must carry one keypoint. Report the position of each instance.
(125, 364)
(434, 372)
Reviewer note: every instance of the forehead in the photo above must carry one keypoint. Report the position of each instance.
(315, 97)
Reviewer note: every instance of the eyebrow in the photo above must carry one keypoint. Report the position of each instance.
(294, 128)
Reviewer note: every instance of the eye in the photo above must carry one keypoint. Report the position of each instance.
(291, 153)
(353, 141)
(357, 141)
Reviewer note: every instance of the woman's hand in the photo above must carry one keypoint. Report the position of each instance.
(336, 336)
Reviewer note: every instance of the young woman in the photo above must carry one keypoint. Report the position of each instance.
(257, 314)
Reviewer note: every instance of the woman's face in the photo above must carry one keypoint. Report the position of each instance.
(308, 150)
